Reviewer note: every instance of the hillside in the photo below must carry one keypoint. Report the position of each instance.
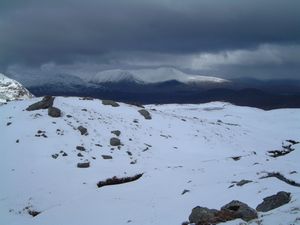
(184, 155)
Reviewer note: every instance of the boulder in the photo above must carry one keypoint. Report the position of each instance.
(107, 157)
(145, 114)
(115, 141)
(240, 210)
(274, 201)
(202, 215)
(80, 148)
(83, 165)
(116, 132)
(54, 112)
(45, 103)
(82, 130)
(110, 102)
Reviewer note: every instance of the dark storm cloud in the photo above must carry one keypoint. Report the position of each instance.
(66, 31)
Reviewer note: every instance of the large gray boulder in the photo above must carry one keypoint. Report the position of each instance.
(115, 141)
(54, 112)
(240, 210)
(145, 114)
(45, 103)
(110, 102)
(202, 215)
(274, 201)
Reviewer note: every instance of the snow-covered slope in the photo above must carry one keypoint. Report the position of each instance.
(12, 90)
(147, 76)
(202, 149)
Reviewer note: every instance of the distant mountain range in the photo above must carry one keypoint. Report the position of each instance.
(169, 85)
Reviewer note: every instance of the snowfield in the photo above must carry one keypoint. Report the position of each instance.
(189, 155)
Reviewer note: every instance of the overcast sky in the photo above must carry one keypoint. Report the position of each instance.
(232, 38)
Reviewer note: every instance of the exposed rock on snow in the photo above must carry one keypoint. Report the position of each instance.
(116, 132)
(12, 90)
(115, 180)
(115, 141)
(274, 201)
(231, 211)
(83, 165)
(45, 103)
(110, 102)
(83, 130)
(145, 114)
(54, 112)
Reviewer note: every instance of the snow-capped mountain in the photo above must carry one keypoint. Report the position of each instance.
(163, 160)
(12, 90)
(150, 76)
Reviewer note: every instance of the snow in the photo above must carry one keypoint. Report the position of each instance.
(148, 76)
(191, 148)
(12, 90)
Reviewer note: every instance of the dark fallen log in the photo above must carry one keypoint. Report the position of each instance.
(115, 180)
(279, 176)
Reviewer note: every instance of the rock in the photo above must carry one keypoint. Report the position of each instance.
(79, 155)
(82, 130)
(274, 201)
(243, 182)
(54, 112)
(54, 156)
(110, 102)
(202, 215)
(83, 165)
(80, 148)
(45, 103)
(9, 123)
(116, 132)
(64, 154)
(106, 156)
(145, 114)
(115, 141)
(240, 210)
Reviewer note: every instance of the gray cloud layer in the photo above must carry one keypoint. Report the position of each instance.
(35, 32)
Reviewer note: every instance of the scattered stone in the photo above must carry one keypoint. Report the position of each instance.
(185, 191)
(54, 112)
(86, 98)
(243, 182)
(45, 103)
(133, 162)
(279, 176)
(145, 114)
(33, 213)
(274, 201)
(80, 148)
(106, 156)
(64, 154)
(116, 132)
(83, 165)
(79, 155)
(236, 158)
(17, 141)
(98, 145)
(84, 110)
(110, 102)
(83, 130)
(129, 153)
(115, 141)
(69, 116)
(9, 123)
(115, 180)
(54, 156)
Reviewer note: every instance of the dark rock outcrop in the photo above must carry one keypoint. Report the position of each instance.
(110, 102)
(106, 156)
(45, 103)
(83, 130)
(116, 180)
(115, 141)
(54, 112)
(83, 165)
(145, 114)
(80, 148)
(116, 132)
(274, 201)
(231, 211)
